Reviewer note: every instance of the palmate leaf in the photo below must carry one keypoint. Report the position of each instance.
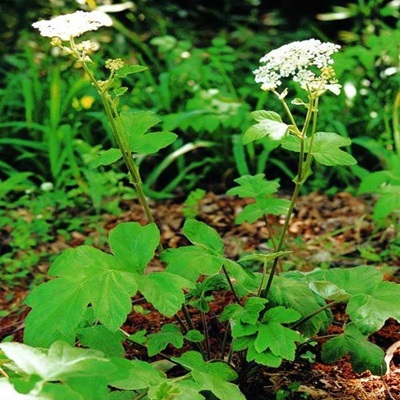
(266, 358)
(170, 334)
(128, 70)
(296, 294)
(89, 276)
(100, 338)
(61, 361)
(164, 291)
(261, 207)
(325, 149)
(254, 186)
(204, 258)
(369, 311)
(134, 375)
(274, 336)
(388, 202)
(211, 376)
(136, 126)
(364, 354)
(372, 301)
(49, 391)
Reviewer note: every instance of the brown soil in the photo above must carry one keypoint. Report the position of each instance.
(329, 230)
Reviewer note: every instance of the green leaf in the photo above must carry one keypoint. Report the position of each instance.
(364, 355)
(90, 388)
(370, 310)
(202, 235)
(254, 186)
(191, 262)
(211, 376)
(357, 280)
(204, 258)
(325, 149)
(51, 303)
(121, 395)
(136, 125)
(263, 257)
(388, 202)
(296, 294)
(372, 301)
(262, 115)
(265, 358)
(128, 70)
(12, 182)
(59, 362)
(170, 334)
(272, 128)
(262, 206)
(164, 290)
(152, 142)
(120, 91)
(90, 276)
(329, 291)
(244, 320)
(137, 251)
(194, 336)
(134, 375)
(106, 157)
(100, 338)
(274, 336)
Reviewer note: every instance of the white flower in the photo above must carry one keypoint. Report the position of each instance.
(47, 186)
(298, 60)
(72, 25)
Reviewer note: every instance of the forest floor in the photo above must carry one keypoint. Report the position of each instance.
(335, 231)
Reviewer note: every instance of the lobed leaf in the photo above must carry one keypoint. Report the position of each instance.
(274, 336)
(211, 376)
(134, 375)
(363, 354)
(325, 148)
(170, 334)
(369, 311)
(254, 186)
(296, 294)
(59, 362)
(128, 70)
(262, 206)
(106, 157)
(98, 337)
(89, 276)
(164, 291)
(136, 126)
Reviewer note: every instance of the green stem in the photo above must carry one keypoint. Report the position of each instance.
(282, 236)
(396, 123)
(314, 313)
(122, 142)
(228, 278)
(299, 180)
(206, 336)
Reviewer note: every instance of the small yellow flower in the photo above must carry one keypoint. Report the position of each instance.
(87, 102)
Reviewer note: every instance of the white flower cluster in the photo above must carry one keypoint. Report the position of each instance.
(295, 60)
(72, 25)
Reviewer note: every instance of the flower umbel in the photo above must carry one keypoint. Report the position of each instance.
(298, 60)
(72, 25)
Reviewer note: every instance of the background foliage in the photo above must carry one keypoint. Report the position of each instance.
(200, 83)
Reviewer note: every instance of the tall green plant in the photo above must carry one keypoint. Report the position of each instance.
(271, 316)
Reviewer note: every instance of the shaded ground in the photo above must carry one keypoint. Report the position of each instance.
(333, 231)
